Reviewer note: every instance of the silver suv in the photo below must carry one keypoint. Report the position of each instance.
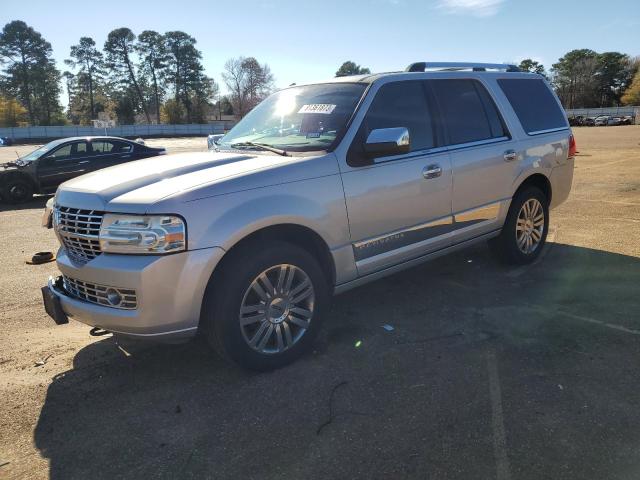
(321, 188)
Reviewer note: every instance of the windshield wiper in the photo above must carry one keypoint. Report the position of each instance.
(264, 146)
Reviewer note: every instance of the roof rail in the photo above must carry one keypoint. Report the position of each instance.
(454, 66)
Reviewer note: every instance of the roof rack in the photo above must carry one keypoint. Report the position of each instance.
(455, 66)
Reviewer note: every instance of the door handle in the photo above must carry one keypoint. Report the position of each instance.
(432, 171)
(84, 161)
(510, 155)
(125, 156)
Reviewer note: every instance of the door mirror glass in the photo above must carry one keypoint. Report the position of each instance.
(384, 142)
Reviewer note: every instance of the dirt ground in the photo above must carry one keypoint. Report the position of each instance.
(490, 372)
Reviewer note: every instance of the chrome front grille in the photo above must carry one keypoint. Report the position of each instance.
(78, 231)
(116, 297)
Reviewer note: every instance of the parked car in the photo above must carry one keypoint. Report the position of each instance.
(42, 170)
(589, 121)
(601, 121)
(5, 142)
(378, 173)
(626, 120)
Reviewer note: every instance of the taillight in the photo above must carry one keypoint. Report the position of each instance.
(573, 148)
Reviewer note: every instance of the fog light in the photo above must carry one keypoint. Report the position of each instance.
(114, 297)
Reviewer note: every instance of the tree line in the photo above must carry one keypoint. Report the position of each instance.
(151, 77)
(154, 77)
(582, 78)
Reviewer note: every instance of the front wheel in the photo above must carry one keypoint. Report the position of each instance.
(18, 190)
(263, 309)
(525, 229)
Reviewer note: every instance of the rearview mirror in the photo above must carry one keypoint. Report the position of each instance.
(383, 142)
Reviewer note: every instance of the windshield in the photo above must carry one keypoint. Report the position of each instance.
(36, 154)
(298, 119)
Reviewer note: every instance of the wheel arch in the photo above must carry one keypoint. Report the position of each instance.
(293, 233)
(537, 180)
(7, 177)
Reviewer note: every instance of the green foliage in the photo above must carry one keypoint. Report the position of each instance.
(531, 66)
(185, 73)
(12, 113)
(119, 49)
(89, 81)
(350, 68)
(154, 61)
(584, 78)
(29, 74)
(172, 111)
(632, 94)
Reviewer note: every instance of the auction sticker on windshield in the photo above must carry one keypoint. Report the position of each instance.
(325, 108)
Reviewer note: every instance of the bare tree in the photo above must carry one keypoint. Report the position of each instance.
(248, 81)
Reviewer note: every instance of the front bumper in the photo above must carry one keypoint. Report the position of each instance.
(169, 288)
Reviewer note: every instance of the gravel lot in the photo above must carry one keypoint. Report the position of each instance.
(491, 372)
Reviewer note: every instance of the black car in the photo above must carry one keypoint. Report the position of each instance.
(44, 169)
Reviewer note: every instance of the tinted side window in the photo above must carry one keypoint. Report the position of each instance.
(468, 112)
(62, 153)
(122, 147)
(80, 149)
(398, 104)
(101, 146)
(534, 104)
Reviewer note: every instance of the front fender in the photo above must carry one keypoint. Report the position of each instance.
(317, 204)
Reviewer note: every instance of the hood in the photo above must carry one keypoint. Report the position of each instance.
(133, 187)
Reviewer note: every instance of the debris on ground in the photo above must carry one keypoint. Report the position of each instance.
(40, 363)
(388, 327)
(358, 343)
(333, 391)
(40, 258)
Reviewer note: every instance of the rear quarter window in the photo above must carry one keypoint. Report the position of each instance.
(534, 104)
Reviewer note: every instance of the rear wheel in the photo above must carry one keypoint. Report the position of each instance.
(17, 190)
(525, 230)
(263, 309)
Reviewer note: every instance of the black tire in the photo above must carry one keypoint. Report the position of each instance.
(17, 190)
(505, 246)
(220, 319)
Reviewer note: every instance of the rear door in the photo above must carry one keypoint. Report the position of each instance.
(64, 163)
(396, 211)
(484, 157)
(107, 153)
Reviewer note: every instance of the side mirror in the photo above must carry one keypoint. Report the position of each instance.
(383, 142)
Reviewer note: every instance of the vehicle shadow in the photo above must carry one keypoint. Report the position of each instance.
(373, 403)
(38, 201)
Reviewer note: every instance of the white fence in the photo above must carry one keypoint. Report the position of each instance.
(44, 133)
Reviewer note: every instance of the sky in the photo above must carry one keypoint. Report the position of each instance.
(306, 41)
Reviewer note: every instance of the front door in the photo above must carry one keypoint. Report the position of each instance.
(64, 163)
(397, 210)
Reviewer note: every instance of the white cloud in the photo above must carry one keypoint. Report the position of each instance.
(478, 8)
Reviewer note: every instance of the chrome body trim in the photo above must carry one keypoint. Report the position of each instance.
(99, 294)
(480, 214)
(401, 238)
(411, 263)
(413, 237)
(478, 143)
(550, 130)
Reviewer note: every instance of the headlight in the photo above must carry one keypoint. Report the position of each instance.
(142, 234)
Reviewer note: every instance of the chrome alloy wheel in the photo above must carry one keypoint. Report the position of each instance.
(530, 226)
(277, 309)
